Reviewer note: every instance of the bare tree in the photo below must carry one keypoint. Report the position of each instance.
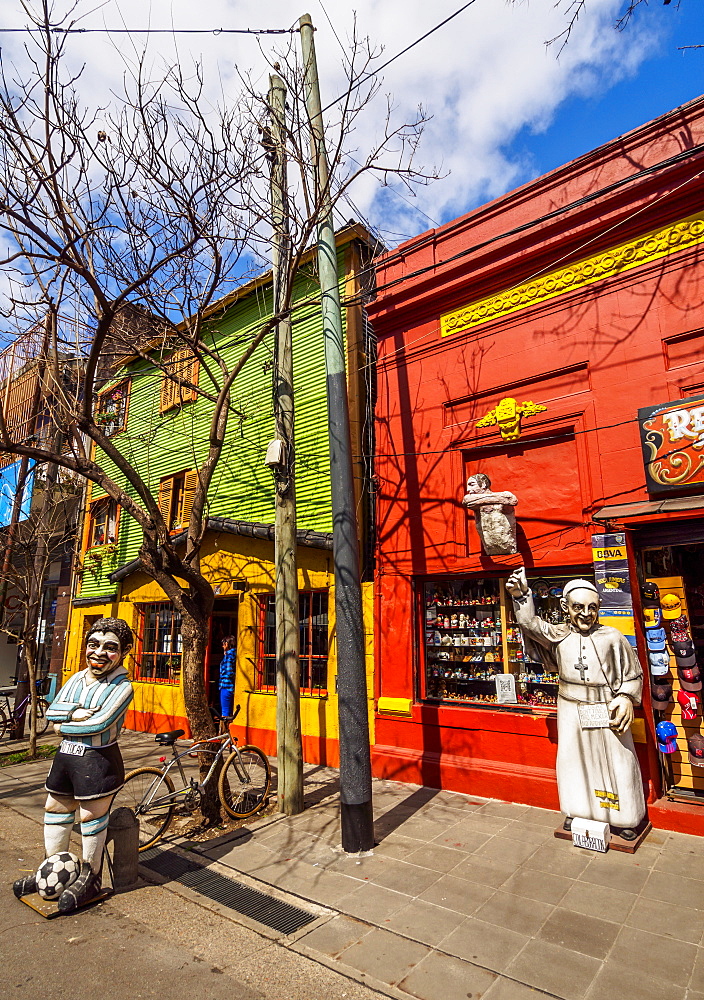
(156, 206)
(573, 10)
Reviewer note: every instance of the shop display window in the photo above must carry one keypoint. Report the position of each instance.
(471, 637)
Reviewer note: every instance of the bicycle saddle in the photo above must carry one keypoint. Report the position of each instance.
(168, 739)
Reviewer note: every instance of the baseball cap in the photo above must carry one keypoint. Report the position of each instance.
(686, 661)
(661, 696)
(695, 745)
(666, 733)
(685, 648)
(679, 629)
(690, 678)
(659, 664)
(689, 703)
(652, 617)
(650, 594)
(655, 638)
(671, 606)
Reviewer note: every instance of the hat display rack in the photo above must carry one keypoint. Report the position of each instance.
(675, 678)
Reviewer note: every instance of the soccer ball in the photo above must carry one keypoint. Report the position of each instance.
(56, 874)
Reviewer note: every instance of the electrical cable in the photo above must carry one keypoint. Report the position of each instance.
(152, 31)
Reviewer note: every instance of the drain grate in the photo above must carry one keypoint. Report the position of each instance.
(271, 912)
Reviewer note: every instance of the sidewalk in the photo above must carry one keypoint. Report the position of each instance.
(466, 897)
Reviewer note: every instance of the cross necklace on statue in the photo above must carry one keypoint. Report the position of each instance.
(580, 664)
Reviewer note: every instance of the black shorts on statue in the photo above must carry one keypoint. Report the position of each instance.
(98, 772)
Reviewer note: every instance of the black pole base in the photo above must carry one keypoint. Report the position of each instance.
(357, 827)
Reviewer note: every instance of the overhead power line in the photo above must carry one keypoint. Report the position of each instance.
(154, 31)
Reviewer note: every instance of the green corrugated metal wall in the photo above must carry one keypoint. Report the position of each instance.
(163, 444)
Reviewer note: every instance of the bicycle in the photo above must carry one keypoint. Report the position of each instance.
(10, 717)
(149, 791)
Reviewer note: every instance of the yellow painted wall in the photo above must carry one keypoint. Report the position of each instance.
(229, 561)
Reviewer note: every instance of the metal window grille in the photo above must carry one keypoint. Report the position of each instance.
(160, 646)
(313, 641)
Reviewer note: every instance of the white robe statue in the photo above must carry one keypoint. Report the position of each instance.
(598, 776)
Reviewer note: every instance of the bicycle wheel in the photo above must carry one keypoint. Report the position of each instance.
(244, 782)
(143, 786)
(5, 724)
(42, 721)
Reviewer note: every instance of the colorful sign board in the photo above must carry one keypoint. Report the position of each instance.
(612, 579)
(9, 477)
(672, 437)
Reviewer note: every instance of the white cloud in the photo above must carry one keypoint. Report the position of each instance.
(483, 77)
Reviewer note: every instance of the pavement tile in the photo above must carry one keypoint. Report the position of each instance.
(559, 858)
(437, 858)
(679, 843)
(426, 827)
(507, 989)
(475, 823)
(383, 955)
(697, 981)
(404, 877)
(321, 886)
(506, 851)
(543, 817)
(463, 839)
(652, 955)
(457, 894)
(335, 935)
(514, 912)
(688, 865)
(396, 846)
(372, 902)
(674, 889)
(627, 878)
(362, 868)
(681, 923)
(599, 901)
(538, 885)
(617, 981)
(518, 829)
(513, 810)
(694, 995)
(488, 945)
(243, 857)
(555, 970)
(424, 922)
(485, 872)
(439, 977)
(578, 932)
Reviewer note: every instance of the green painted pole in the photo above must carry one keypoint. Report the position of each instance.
(356, 815)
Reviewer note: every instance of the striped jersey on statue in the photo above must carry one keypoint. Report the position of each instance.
(108, 698)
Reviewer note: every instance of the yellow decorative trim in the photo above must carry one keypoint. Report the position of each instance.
(653, 246)
(395, 706)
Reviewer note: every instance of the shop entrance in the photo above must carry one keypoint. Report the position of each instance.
(673, 559)
(223, 623)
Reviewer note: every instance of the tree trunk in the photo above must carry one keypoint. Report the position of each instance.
(195, 631)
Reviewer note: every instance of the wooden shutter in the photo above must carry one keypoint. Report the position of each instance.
(190, 485)
(181, 365)
(166, 492)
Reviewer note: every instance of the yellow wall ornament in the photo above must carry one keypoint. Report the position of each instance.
(507, 414)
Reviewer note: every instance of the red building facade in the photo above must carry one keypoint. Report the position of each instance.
(521, 341)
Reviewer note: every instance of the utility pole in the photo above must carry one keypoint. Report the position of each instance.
(288, 670)
(355, 761)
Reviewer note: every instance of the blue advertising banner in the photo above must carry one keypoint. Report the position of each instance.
(8, 490)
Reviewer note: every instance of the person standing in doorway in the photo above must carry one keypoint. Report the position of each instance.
(227, 676)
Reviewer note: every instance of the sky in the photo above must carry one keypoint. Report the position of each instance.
(503, 107)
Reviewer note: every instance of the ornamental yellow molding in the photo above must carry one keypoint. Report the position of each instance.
(653, 246)
(507, 414)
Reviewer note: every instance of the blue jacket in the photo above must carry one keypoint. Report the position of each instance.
(227, 670)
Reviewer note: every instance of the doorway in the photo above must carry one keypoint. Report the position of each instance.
(222, 623)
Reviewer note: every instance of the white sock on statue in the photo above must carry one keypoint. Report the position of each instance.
(94, 833)
(57, 831)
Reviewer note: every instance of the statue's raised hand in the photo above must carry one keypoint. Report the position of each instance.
(517, 583)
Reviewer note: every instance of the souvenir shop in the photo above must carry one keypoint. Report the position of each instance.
(521, 369)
